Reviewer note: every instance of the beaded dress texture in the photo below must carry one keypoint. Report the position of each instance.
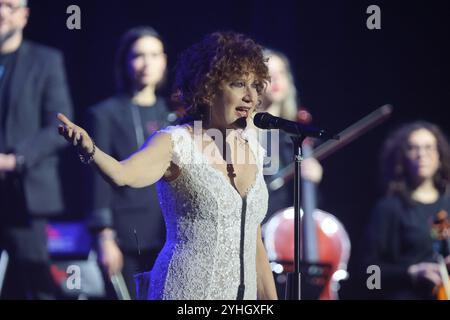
(210, 249)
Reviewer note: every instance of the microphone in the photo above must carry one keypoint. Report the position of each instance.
(265, 120)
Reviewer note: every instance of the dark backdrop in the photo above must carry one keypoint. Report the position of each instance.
(342, 69)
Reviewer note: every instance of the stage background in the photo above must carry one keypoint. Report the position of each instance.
(342, 69)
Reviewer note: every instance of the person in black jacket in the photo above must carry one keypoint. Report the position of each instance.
(416, 170)
(33, 89)
(128, 222)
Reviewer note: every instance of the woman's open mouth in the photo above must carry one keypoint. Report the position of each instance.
(243, 111)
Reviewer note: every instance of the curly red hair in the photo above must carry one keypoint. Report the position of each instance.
(220, 56)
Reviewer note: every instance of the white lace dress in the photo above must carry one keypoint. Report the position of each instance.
(210, 250)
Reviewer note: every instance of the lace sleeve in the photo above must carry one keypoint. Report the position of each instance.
(182, 146)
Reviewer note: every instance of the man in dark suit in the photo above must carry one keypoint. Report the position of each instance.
(33, 90)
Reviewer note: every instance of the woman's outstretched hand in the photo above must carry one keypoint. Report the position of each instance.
(74, 134)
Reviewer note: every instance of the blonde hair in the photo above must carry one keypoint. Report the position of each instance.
(289, 105)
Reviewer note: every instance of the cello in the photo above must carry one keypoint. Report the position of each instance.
(324, 238)
(324, 242)
(332, 246)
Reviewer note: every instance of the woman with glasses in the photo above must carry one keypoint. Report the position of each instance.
(415, 164)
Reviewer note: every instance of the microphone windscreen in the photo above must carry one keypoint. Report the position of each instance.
(262, 120)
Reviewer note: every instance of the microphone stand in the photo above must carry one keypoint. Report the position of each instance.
(293, 283)
(298, 134)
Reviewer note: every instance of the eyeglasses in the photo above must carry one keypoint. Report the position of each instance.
(9, 7)
(415, 149)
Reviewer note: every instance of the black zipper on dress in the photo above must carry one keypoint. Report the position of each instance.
(241, 288)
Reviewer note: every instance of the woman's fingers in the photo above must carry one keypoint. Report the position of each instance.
(70, 133)
(447, 261)
(68, 129)
(312, 170)
(81, 141)
(64, 131)
(76, 137)
(68, 126)
(111, 257)
(434, 277)
(61, 117)
(429, 271)
(74, 134)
